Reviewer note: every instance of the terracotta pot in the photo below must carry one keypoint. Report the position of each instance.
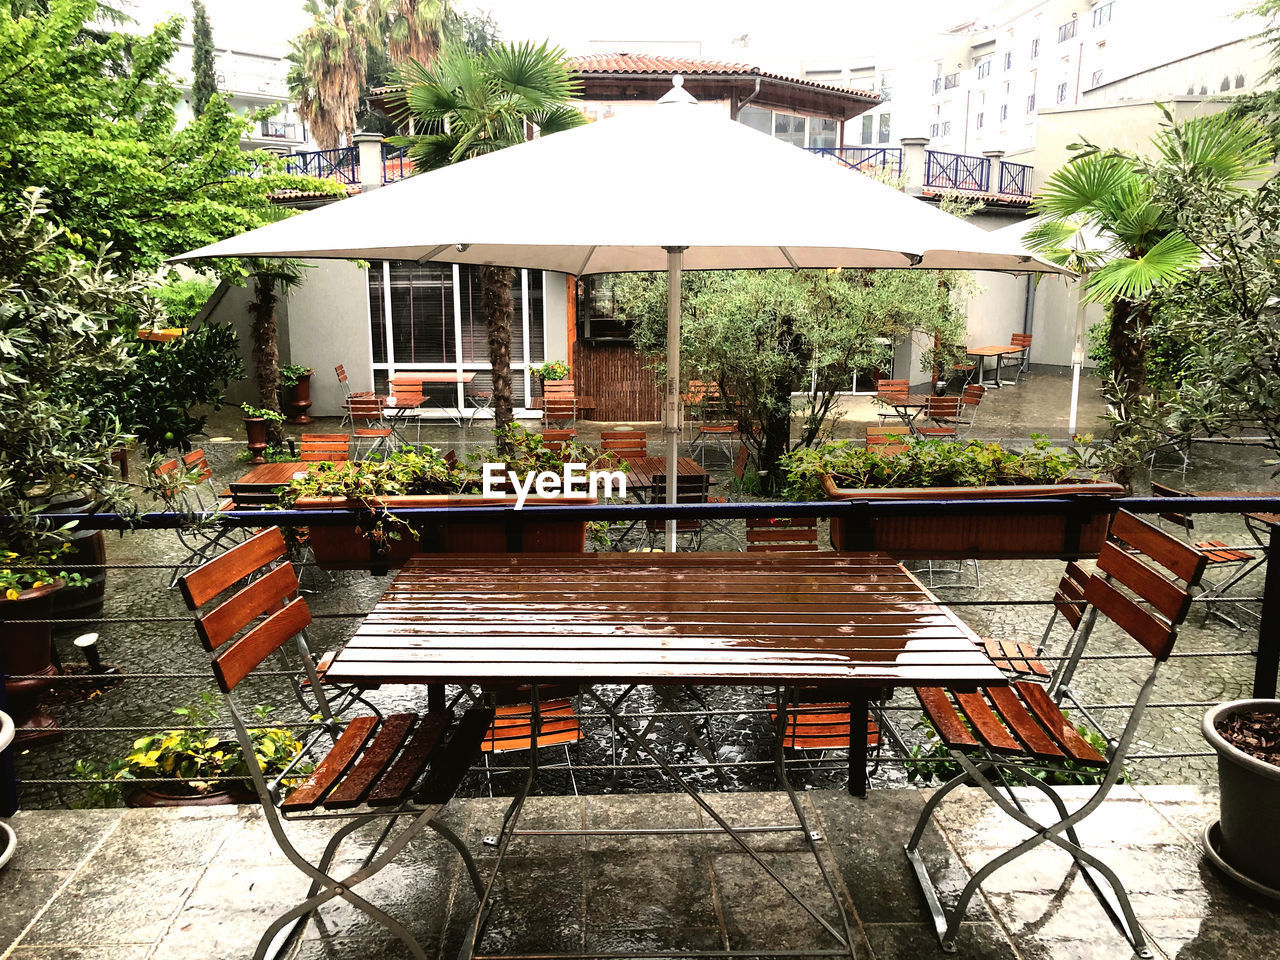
(346, 548)
(26, 650)
(1020, 535)
(1249, 796)
(255, 429)
(298, 400)
(151, 797)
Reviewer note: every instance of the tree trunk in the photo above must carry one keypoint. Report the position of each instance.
(266, 352)
(776, 422)
(497, 308)
(1127, 342)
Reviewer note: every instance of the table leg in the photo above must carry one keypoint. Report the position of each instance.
(858, 718)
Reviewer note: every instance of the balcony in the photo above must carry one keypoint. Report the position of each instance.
(865, 159)
(1015, 179)
(1067, 30)
(951, 81)
(278, 130)
(1102, 15)
(959, 171)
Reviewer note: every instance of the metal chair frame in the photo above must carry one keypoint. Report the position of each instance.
(325, 886)
(204, 540)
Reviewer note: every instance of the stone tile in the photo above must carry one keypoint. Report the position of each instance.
(159, 839)
(1219, 937)
(866, 839)
(758, 913)
(24, 894)
(537, 906)
(62, 951)
(913, 941)
(344, 949)
(656, 939)
(657, 890)
(1069, 923)
(58, 839)
(757, 809)
(548, 813)
(624, 811)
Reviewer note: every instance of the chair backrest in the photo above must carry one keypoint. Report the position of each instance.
(557, 388)
(942, 408)
(333, 447)
(740, 462)
(366, 408)
(197, 461)
(888, 441)
(781, 534)
(973, 394)
(1159, 603)
(556, 439)
(626, 444)
(193, 462)
(406, 389)
(254, 495)
(451, 458)
(893, 386)
(1022, 340)
(690, 488)
(256, 620)
(1069, 597)
(341, 372)
(1183, 520)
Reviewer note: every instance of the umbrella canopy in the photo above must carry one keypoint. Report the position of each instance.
(674, 186)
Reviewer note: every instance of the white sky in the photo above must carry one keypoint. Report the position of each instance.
(778, 35)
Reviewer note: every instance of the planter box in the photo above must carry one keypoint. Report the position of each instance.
(346, 548)
(1018, 536)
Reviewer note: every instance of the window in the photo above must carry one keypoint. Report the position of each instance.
(1062, 93)
(757, 118)
(1067, 30)
(1239, 80)
(789, 128)
(822, 132)
(1096, 78)
(1035, 47)
(979, 124)
(1031, 103)
(883, 136)
(950, 81)
(933, 130)
(601, 323)
(1102, 15)
(1008, 60)
(427, 317)
(1004, 111)
(984, 68)
(946, 128)
(1225, 85)
(937, 85)
(867, 121)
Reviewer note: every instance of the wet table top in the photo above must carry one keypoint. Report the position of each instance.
(995, 350)
(1246, 494)
(273, 474)
(837, 621)
(642, 470)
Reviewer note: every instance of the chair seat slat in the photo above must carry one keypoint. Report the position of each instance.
(1058, 726)
(937, 707)
(377, 755)
(988, 726)
(450, 764)
(308, 794)
(1023, 723)
(393, 786)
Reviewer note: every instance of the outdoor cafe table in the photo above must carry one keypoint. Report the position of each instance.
(997, 351)
(906, 405)
(267, 478)
(838, 627)
(641, 472)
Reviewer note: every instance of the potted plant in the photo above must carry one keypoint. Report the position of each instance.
(206, 768)
(27, 591)
(410, 478)
(295, 382)
(949, 470)
(551, 370)
(1245, 842)
(255, 428)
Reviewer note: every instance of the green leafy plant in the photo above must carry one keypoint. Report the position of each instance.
(31, 571)
(291, 374)
(934, 463)
(261, 413)
(269, 455)
(551, 370)
(183, 299)
(199, 760)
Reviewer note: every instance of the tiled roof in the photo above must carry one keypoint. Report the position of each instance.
(644, 65)
(977, 195)
(277, 195)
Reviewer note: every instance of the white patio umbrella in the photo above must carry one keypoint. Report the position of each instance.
(673, 186)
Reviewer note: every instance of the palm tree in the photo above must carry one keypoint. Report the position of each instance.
(471, 104)
(328, 69)
(1102, 218)
(412, 28)
(272, 279)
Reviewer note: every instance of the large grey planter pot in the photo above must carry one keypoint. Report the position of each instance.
(1248, 837)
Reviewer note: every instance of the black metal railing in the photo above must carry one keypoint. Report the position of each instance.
(277, 129)
(1015, 179)
(888, 159)
(951, 81)
(1067, 30)
(956, 171)
(1102, 14)
(341, 163)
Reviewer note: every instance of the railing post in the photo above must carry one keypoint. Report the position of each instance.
(994, 170)
(1267, 669)
(913, 163)
(369, 156)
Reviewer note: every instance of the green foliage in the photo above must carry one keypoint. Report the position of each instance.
(930, 463)
(477, 30)
(204, 82)
(184, 299)
(14, 579)
(209, 759)
(261, 413)
(551, 370)
(291, 374)
(87, 113)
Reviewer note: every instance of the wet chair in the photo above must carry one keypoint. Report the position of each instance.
(187, 487)
(1002, 736)
(401, 769)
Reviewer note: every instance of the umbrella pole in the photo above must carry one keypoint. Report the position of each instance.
(671, 396)
(1077, 360)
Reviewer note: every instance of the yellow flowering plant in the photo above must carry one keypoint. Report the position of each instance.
(32, 570)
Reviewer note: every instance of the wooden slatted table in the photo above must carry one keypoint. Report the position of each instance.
(906, 405)
(847, 624)
(642, 470)
(998, 351)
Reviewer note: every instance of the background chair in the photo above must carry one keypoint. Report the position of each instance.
(195, 495)
(888, 440)
(325, 447)
(689, 489)
(404, 767)
(512, 727)
(377, 432)
(782, 534)
(1003, 734)
(556, 439)
(944, 412)
(1020, 357)
(888, 390)
(559, 402)
(625, 445)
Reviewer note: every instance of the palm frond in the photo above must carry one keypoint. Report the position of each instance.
(557, 119)
(1132, 278)
(1079, 186)
(1230, 149)
(538, 74)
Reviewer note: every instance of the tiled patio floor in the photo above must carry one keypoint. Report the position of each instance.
(203, 883)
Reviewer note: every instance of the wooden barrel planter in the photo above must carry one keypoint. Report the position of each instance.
(347, 548)
(1019, 535)
(88, 547)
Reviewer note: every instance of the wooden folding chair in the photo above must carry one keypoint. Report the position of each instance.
(401, 767)
(559, 402)
(782, 534)
(512, 728)
(325, 447)
(945, 414)
(888, 440)
(347, 395)
(689, 489)
(372, 411)
(889, 389)
(625, 445)
(1020, 356)
(1018, 733)
(556, 439)
(200, 498)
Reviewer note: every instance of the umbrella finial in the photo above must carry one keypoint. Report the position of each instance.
(677, 93)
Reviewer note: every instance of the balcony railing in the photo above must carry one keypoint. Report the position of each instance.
(1015, 179)
(937, 85)
(396, 165)
(279, 130)
(956, 171)
(1102, 15)
(951, 81)
(888, 159)
(342, 163)
(1067, 30)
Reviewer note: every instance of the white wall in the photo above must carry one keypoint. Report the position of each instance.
(555, 296)
(329, 325)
